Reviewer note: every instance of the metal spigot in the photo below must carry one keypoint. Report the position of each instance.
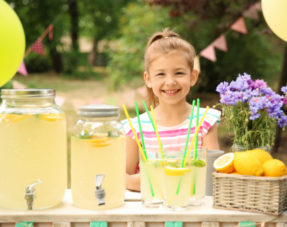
(30, 194)
(100, 192)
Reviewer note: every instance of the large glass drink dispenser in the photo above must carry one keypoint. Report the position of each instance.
(98, 158)
(33, 149)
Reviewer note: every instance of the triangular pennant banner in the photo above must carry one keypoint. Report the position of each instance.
(239, 26)
(220, 43)
(50, 29)
(252, 12)
(208, 53)
(37, 47)
(22, 69)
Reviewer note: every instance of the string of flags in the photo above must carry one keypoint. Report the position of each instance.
(208, 52)
(238, 26)
(36, 47)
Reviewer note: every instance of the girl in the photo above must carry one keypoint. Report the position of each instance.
(169, 74)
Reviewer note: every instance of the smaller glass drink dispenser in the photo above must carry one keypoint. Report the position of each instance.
(33, 149)
(98, 158)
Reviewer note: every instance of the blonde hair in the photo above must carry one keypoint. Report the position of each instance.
(163, 43)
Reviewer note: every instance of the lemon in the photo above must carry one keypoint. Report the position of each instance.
(98, 142)
(262, 155)
(12, 118)
(52, 117)
(224, 163)
(274, 168)
(246, 163)
(173, 171)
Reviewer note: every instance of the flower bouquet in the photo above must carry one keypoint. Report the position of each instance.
(253, 110)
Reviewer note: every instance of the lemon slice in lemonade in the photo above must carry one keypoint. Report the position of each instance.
(173, 171)
(224, 163)
(8, 118)
(52, 117)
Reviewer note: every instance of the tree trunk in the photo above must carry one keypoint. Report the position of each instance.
(282, 82)
(74, 16)
(94, 52)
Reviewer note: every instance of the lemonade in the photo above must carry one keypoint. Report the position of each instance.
(198, 179)
(32, 148)
(98, 155)
(152, 181)
(177, 185)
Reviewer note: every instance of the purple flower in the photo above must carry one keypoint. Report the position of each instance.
(240, 84)
(284, 90)
(259, 84)
(222, 87)
(283, 121)
(261, 100)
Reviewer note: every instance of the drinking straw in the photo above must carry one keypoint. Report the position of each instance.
(140, 128)
(197, 122)
(195, 150)
(156, 132)
(186, 141)
(143, 153)
(189, 126)
(190, 147)
(193, 139)
(135, 135)
(154, 127)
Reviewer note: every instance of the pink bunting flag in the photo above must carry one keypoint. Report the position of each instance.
(220, 43)
(239, 26)
(252, 12)
(50, 29)
(208, 53)
(22, 69)
(37, 47)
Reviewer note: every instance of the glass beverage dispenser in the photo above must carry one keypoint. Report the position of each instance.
(98, 158)
(33, 149)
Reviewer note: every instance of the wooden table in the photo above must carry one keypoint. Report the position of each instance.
(133, 214)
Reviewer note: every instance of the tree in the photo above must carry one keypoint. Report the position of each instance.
(200, 26)
(36, 17)
(100, 21)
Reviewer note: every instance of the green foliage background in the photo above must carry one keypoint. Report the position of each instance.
(119, 31)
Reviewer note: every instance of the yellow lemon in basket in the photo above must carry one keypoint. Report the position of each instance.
(262, 155)
(246, 163)
(224, 163)
(274, 168)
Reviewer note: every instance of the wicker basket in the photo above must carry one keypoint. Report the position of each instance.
(250, 193)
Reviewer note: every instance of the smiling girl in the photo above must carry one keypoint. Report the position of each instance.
(169, 74)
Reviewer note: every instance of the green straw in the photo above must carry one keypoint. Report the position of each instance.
(143, 144)
(140, 128)
(143, 152)
(153, 125)
(195, 150)
(197, 122)
(188, 132)
(186, 143)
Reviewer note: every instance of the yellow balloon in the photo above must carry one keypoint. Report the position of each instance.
(12, 43)
(275, 14)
